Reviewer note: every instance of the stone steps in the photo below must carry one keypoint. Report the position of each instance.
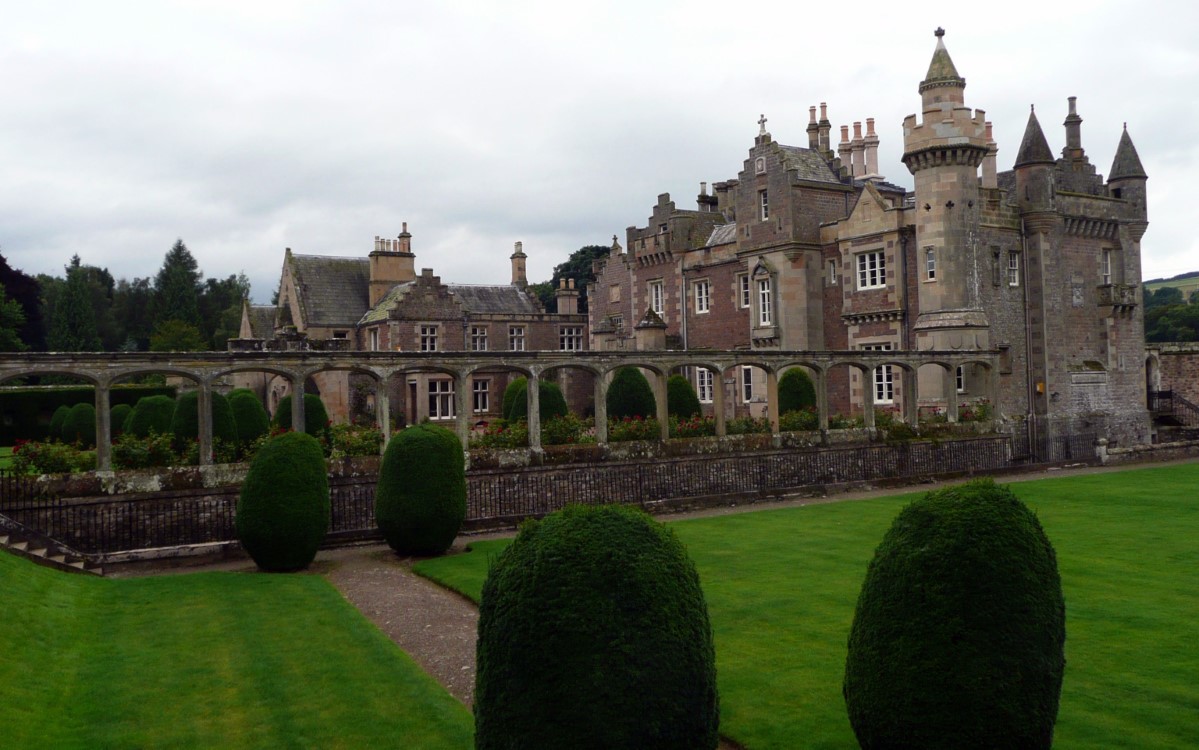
(47, 553)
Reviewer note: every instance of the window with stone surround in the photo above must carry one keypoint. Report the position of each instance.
(1105, 265)
(882, 377)
(478, 338)
(441, 399)
(703, 296)
(832, 273)
(930, 264)
(872, 270)
(747, 384)
(744, 290)
(570, 338)
(703, 385)
(763, 205)
(960, 379)
(373, 339)
(657, 297)
(516, 338)
(765, 302)
(481, 392)
(1013, 268)
(428, 338)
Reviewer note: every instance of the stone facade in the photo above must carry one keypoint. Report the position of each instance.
(807, 249)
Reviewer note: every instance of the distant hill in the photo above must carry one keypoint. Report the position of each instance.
(1185, 282)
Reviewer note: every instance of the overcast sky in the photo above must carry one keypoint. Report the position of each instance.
(248, 126)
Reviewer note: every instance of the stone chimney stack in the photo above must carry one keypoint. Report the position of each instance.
(1073, 125)
(845, 150)
(391, 262)
(519, 278)
(989, 174)
(567, 296)
(813, 130)
(857, 151)
(706, 202)
(871, 143)
(824, 127)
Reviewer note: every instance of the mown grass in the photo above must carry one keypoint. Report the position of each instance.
(6, 457)
(781, 587)
(206, 660)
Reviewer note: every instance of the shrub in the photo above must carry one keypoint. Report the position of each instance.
(566, 430)
(959, 632)
(32, 457)
(79, 426)
(551, 402)
(501, 434)
(630, 395)
(185, 425)
(56, 421)
(283, 510)
(249, 416)
(593, 632)
(681, 400)
(633, 428)
(132, 452)
(800, 420)
(151, 414)
(420, 501)
(316, 419)
(117, 416)
(354, 440)
(696, 426)
(519, 385)
(796, 391)
(747, 425)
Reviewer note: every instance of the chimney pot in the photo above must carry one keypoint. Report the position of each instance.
(812, 114)
(870, 126)
(857, 130)
(823, 111)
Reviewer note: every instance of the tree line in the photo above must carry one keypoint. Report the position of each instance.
(87, 310)
(1169, 316)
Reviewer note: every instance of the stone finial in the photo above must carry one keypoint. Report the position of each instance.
(762, 125)
(940, 32)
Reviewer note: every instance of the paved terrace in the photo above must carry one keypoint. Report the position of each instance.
(207, 369)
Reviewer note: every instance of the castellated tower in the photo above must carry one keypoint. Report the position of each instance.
(943, 152)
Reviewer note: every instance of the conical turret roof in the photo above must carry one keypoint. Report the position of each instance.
(941, 70)
(1127, 163)
(1034, 149)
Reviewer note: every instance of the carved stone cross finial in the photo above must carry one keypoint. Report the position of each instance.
(762, 125)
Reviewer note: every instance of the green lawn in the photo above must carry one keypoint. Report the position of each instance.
(5, 457)
(781, 587)
(206, 660)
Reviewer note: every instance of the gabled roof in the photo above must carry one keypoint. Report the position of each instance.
(808, 164)
(494, 299)
(390, 300)
(1127, 163)
(722, 235)
(262, 321)
(333, 291)
(1034, 149)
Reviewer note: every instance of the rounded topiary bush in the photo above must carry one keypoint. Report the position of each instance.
(249, 415)
(185, 425)
(79, 426)
(519, 385)
(593, 632)
(117, 416)
(151, 414)
(681, 400)
(550, 401)
(630, 395)
(316, 418)
(283, 510)
(959, 634)
(420, 501)
(796, 391)
(56, 420)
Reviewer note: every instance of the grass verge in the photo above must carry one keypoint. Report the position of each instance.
(781, 587)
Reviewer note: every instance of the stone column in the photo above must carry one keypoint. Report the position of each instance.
(718, 403)
(993, 391)
(297, 403)
(659, 381)
(821, 383)
(383, 412)
(868, 398)
(103, 428)
(772, 400)
(204, 420)
(949, 379)
(911, 397)
(533, 399)
(462, 413)
(601, 410)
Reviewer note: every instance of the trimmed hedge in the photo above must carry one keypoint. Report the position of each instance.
(593, 632)
(56, 421)
(117, 416)
(283, 509)
(316, 418)
(420, 500)
(79, 426)
(681, 400)
(796, 391)
(959, 634)
(26, 413)
(630, 395)
(151, 414)
(185, 425)
(249, 415)
(550, 401)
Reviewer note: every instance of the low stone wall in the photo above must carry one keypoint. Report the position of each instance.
(1157, 452)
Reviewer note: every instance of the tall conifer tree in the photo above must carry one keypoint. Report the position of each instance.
(177, 287)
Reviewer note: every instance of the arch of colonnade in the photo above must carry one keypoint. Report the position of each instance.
(206, 369)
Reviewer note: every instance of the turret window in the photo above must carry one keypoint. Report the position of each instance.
(1105, 265)
(1013, 268)
(930, 264)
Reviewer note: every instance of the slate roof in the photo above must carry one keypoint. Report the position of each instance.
(1126, 163)
(941, 69)
(1034, 149)
(333, 291)
(262, 321)
(494, 299)
(723, 234)
(390, 300)
(808, 164)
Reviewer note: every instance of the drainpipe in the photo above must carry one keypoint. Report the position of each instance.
(684, 302)
(1030, 386)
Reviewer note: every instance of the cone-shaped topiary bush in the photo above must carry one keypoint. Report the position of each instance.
(151, 414)
(959, 634)
(249, 415)
(551, 402)
(316, 418)
(420, 501)
(796, 391)
(593, 632)
(630, 395)
(283, 510)
(56, 420)
(681, 400)
(185, 424)
(117, 416)
(79, 426)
